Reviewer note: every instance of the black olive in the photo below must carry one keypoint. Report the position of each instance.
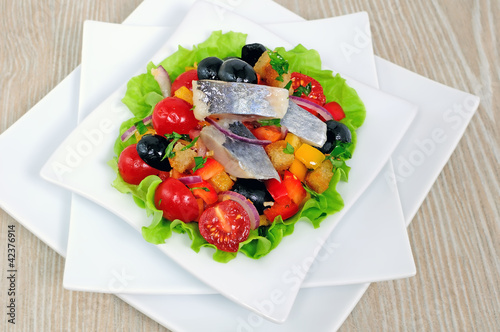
(335, 132)
(151, 149)
(237, 70)
(208, 68)
(252, 52)
(255, 191)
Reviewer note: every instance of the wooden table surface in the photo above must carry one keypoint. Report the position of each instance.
(455, 236)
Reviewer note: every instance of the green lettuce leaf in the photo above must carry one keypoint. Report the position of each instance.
(143, 93)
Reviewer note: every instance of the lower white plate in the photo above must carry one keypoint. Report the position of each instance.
(177, 312)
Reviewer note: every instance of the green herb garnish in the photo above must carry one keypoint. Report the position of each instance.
(190, 145)
(168, 151)
(289, 148)
(202, 188)
(199, 163)
(270, 122)
(306, 90)
(279, 64)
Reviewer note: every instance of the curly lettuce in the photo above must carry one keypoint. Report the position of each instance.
(143, 92)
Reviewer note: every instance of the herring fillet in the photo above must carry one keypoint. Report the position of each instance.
(235, 99)
(240, 159)
(300, 122)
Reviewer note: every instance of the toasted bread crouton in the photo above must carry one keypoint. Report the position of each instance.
(183, 160)
(319, 179)
(221, 181)
(267, 74)
(280, 160)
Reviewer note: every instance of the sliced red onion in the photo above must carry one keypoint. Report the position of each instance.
(229, 133)
(189, 180)
(245, 203)
(163, 79)
(131, 131)
(313, 106)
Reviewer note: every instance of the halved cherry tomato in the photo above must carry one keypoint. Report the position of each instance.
(132, 168)
(278, 191)
(210, 168)
(225, 225)
(335, 110)
(284, 210)
(185, 79)
(205, 191)
(173, 114)
(269, 133)
(294, 187)
(315, 94)
(176, 201)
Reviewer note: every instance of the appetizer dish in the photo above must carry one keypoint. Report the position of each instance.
(233, 143)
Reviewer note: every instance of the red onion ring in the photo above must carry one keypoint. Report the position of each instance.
(161, 76)
(192, 179)
(131, 131)
(245, 203)
(228, 133)
(313, 106)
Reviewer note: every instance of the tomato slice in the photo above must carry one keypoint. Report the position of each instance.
(173, 114)
(225, 225)
(307, 87)
(185, 79)
(132, 168)
(335, 110)
(176, 201)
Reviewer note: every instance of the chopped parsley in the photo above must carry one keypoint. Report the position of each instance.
(270, 122)
(168, 151)
(306, 90)
(190, 145)
(338, 156)
(279, 64)
(289, 148)
(199, 163)
(201, 188)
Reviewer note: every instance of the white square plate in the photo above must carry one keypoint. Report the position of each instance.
(93, 258)
(80, 165)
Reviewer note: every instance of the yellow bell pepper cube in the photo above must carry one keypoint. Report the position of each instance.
(184, 94)
(309, 156)
(298, 169)
(294, 141)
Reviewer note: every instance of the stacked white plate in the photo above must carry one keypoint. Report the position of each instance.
(316, 276)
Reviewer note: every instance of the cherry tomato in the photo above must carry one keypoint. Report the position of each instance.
(185, 79)
(335, 110)
(225, 225)
(176, 201)
(173, 114)
(132, 168)
(315, 94)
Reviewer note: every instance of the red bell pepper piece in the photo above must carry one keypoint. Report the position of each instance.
(210, 168)
(205, 191)
(278, 191)
(294, 187)
(284, 210)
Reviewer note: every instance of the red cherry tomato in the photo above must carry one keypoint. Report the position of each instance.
(225, 225)
(315, 94)
(132, 168)
(185, 79)
(335, 110)
(173, 114)
(176, 201)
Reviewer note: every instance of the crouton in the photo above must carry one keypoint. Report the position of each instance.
(280, 160)
(221, 182)
(319, 179)
(183, 160)
(267, 74)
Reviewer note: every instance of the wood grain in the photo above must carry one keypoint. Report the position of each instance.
(455, 235)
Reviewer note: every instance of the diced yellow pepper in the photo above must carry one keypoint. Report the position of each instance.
(294, 141)
(184, 94)
(298, 169)
(309, 156)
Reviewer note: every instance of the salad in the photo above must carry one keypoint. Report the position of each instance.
(233, 143)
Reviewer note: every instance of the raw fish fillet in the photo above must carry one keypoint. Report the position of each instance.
(231, 99)
(300, 122)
